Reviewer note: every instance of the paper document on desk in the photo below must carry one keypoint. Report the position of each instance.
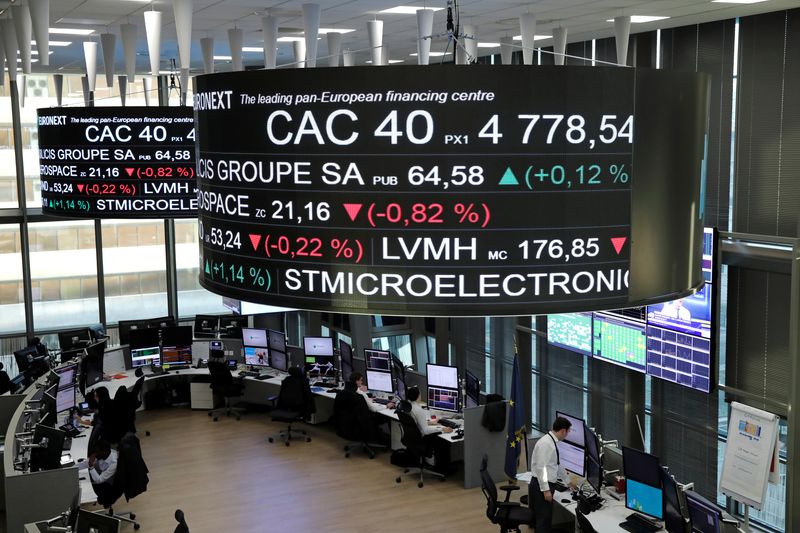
(83, 465)
(525, 476)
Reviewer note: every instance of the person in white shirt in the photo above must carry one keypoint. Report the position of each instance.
(430, 429)
(357, 379)
(546, 469)
(102, 467)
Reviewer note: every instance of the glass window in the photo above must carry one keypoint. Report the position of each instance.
(134, 265)
(192, 298)
(399, 345)
(12, 307)
(63, 274)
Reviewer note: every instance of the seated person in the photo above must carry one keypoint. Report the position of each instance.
(357, 380)
(41, 349)
(102, 464)
(430, 429)
(354, 420)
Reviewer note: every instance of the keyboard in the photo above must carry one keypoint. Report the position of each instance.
(637, 524)
(262, 377)
(324, 385)
(248, 373)
(560, 487)
(382, 401)
(446, 422)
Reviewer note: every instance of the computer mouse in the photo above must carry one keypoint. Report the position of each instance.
(565, 500)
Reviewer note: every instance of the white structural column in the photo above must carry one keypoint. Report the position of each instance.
(122, 80)
(375, 34)
(128, 32)
(152, 26)
(2, 59)
(506, 50)
(269, 27)
(622, 32)
(236, 40)
(207, 46)
(109, 43)
(86, 90)
(58, 82)
(527, 25)
(10, 46)
(183, 28)
(40, 17)
(90, 55)
(470, 42)
(348, 58)
(299, 48)
(23, 27)
(559, 44)
(424, 30)
(311, 15)
(147, 83)
(334, 48)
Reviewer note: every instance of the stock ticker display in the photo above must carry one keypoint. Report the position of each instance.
(117, 162)
(447, 191)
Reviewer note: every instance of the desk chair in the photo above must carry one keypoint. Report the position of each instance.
(583, 522)
(506, 514)
(294, 403)
(415, 445)
(5, 381)
(181, 527)
(130, 478)
(222, 383)
(353, 422)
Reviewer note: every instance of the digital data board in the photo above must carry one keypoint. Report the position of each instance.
(447, 191)
(572, 331)
(620, 340)
(117, 162)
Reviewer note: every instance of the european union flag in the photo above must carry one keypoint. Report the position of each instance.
(515, 440)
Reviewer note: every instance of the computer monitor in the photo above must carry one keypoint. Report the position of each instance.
(576, 434)
(176, 336)
(641, 467)
(48, 457)
(256, 338)
(277, 340)
(673, 518)
(592, 444)
(256, 356)
(379, 381)
(472, 388)
(400, 382)
(145, 356)
(594, 474)
(645, 499)
(145, 347)
(442, 376)
(346, 353)
(65, 398)
(66, 375)
(444, 399)
(89, 522)
(126, 326)
(176, 346)
(704, 515)
(144, 338)
(91, 368)
(279, 360)
(321, 365)
(161, 322)
(313, 346)
(378, 359)
(74, 339)
(572, 457)
(25, 357)
(48, 408)
(230, 326)
(206, 326)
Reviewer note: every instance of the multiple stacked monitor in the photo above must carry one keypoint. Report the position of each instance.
(674, 341)
(651, 491)
(265, 348)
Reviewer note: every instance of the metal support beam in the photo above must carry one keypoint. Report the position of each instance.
(793, 417)
(524, 351)
(171, 268)
(634, 407)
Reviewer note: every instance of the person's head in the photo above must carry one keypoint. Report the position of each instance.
(102, 449)
(295, 372)
(561, 427)
(101, 396)
(356, 378)
(412, 394)
(34, 341)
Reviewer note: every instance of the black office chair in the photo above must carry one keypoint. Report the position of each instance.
(506, 514)
(416, 446)
(5, 381)
(583, 522)
(222, 383)
(137, 394)
(353, 422)
(294, 403)
(181, 527)
(129, 480)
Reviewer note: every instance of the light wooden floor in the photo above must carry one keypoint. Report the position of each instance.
(228, 478)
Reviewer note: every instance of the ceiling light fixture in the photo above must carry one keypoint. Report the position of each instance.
(71, 31)
(407, 10)
(640, 19)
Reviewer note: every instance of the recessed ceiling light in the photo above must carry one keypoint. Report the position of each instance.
(432, 54)
(488, 45)
(223, 58)
(737, 1)
(56, 43)
(535, 37)
(71, 31)
(391, 61)
(36, 52)
(323, 31)
(253, 49)
(639, 19)
(407, 10)
(291, 39)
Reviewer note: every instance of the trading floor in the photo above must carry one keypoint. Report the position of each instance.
(226, 477)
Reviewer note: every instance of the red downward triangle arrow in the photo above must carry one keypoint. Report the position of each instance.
(130, 171)
(352, 210)
(618, 243)
(80, 187)
(256, 240)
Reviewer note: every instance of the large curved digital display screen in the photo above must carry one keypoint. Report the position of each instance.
(450, 190)
(117, 162)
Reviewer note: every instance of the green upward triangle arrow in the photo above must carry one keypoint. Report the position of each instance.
(208, 269)
(509, 178)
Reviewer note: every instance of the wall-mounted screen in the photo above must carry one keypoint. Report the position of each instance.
(620, 340)
(118, 162)
(572, 331)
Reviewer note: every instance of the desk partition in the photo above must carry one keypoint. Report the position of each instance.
(479, 440)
